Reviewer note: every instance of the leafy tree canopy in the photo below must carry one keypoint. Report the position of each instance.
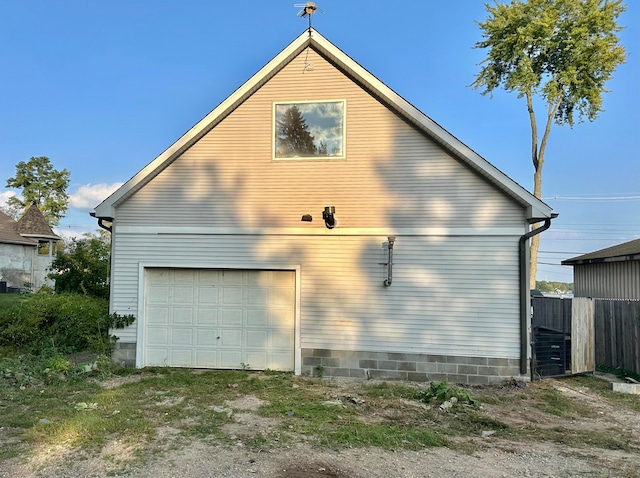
(563, 51)
(41, 185)
(83, 266)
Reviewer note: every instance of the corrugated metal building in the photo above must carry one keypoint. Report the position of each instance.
(611, 273)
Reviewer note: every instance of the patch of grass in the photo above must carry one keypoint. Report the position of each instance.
(618, 372)
(587, 438)
(9, 300)
(355, 433)
(555, 403)
(10, 450)
(389, 391)
(196, 404)
(602, 388)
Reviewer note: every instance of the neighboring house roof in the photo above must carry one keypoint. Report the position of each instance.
(536, 209)
(33, 224)
(9, 233)
(628, 251)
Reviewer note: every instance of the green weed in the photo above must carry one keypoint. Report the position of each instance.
(442, 393)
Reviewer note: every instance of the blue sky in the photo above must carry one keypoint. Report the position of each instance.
(102, 88)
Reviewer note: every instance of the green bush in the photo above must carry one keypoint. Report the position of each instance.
(49, 367)
(442, 392)
(64, 322)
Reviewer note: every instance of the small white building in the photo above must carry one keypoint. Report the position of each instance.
(27, 248)
(315, 221)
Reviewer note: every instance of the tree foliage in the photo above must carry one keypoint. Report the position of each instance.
(554, 287)
(41, 185)
(293, 134)
(64, 322)
(562, 51)
(82, 266)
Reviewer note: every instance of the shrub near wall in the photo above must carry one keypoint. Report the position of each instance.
(66, 322)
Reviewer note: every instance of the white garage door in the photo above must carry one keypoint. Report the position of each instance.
(206, 318)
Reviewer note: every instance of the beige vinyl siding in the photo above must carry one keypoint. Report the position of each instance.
(393, 176)
(450, 295)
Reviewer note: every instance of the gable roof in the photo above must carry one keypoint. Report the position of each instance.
(627, 251)
(310, 38)
(33, 224)
(9, 232)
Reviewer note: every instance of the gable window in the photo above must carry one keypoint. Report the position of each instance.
(309, 130)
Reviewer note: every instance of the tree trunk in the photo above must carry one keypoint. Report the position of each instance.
(537, 155)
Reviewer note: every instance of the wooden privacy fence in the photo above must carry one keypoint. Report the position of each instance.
(617, 333)
(563, 336)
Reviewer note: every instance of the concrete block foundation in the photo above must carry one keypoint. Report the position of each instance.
(414, 367)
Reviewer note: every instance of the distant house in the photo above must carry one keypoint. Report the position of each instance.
(317, 221)
(27, 248)
(611, 273)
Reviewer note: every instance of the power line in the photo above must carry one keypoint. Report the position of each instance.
(560, 252)
(592, 198)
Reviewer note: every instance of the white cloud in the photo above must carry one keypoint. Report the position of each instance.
(67, 234)
(5, 195)
(89, 196)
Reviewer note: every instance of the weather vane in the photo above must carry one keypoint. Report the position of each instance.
(308, 9)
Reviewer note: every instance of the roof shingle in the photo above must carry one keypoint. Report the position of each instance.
(625, 251)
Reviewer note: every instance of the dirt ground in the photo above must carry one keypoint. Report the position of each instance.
(484, 455)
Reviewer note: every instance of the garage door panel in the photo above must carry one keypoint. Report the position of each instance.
(158, 336)
(206, 359)
(184, 276)
(279, 318)
(233, 277)
(180, 336)
(182, 316)
(208, 277)
(258, 318)
(207, 337)
(257, 297)
(281, 361)
(256, 360)
(231, 359)
(160, 276)
(231, 317)
(281, 298)
(281, 340)
(208, 295)
(232, 296)
(183, 295)
(182, 358)
(157, 356)
(219, 318)
(157, 315)
(158, 294)
(257, 339)
(206, 316)
(231, 338)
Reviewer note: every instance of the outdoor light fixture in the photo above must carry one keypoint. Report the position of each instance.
(329, 217)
